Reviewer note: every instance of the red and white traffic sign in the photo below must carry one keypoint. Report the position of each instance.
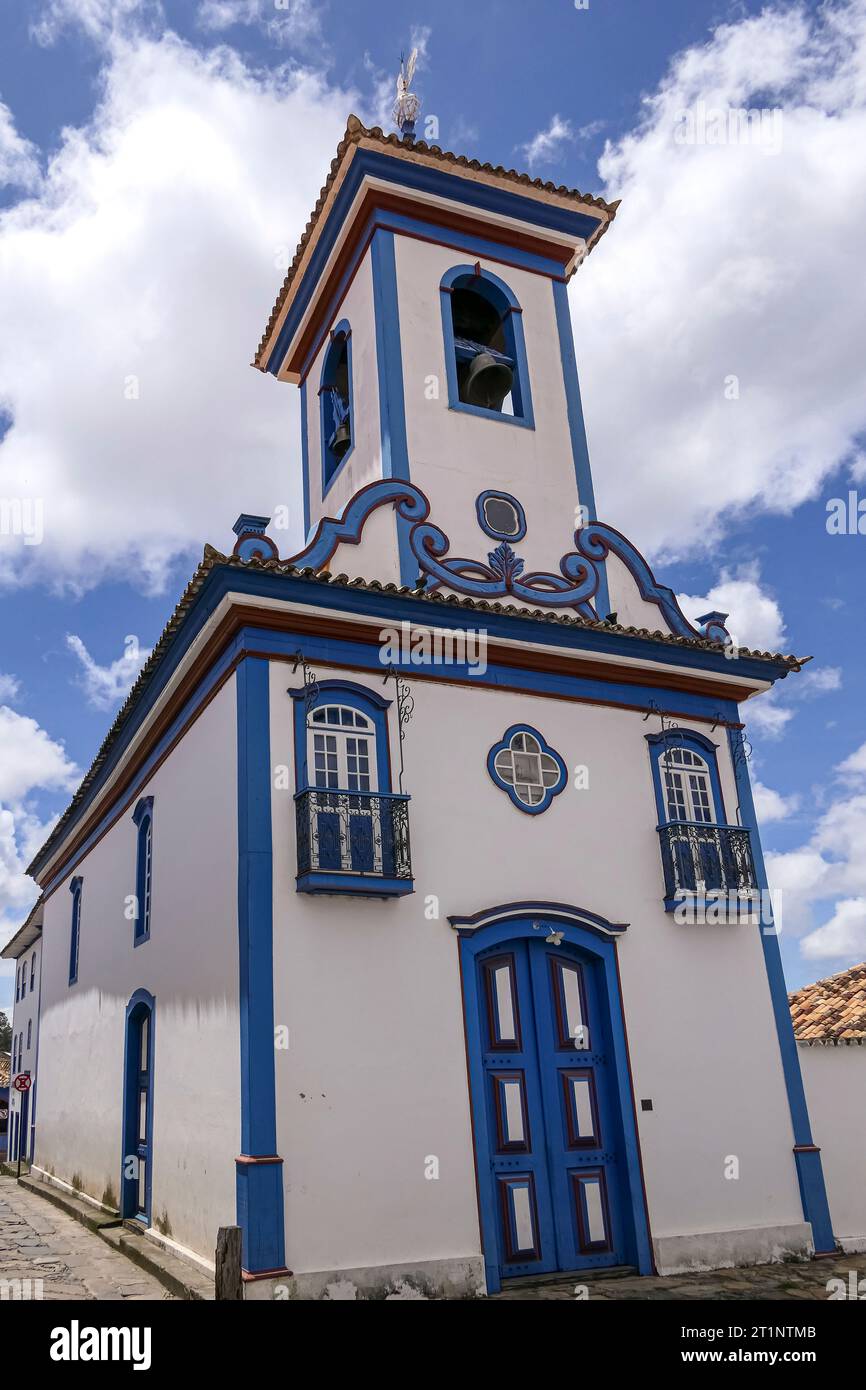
(22, 1081)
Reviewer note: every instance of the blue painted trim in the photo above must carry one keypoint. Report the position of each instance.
(75, 888)
(494, 289)
(704, 748)
(550, 792)
(485, 525)
(259, 1193)
(318, 881)
(518, 926)
(810, 1175)
(305, 460)
(142, 818)
(550, 911)
(331, 467)
(355, 696)
(140, 1005)
(577, 425)
(389, 365)
(472, 193)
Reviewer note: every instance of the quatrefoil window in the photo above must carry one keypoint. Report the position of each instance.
(527, 768)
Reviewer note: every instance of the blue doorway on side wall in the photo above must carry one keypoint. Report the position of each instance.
(137, 1162)
(557, 1157)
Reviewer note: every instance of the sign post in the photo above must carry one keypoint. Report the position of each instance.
(21, 1083)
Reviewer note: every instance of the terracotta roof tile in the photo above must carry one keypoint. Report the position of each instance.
(831, 1010)
(356, 131)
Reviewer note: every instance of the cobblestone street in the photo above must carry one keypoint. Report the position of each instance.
(37, 1241)
(764, 1282)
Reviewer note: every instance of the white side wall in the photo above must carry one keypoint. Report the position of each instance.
(25, 1023)
(374, 1080)
(190, 965)
(835, 1080)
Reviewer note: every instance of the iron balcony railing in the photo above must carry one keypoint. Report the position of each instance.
(700, 858)
(352, 834)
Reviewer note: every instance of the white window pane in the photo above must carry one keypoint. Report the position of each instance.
(513, 1107)
(582, 1106)
(574, 1020)
(504, 1004)
(522, 1217)
(594, 1210)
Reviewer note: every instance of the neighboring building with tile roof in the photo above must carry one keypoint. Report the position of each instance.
(832, 1010)
(829, 1020)
(488, 805)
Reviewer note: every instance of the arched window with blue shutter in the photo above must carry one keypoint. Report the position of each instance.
(485, 351)
(75, 928)
(143, 819)
(701, 854)
(336, 404)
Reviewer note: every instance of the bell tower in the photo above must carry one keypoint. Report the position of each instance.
(425, 320)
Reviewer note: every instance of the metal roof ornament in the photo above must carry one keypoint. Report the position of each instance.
(408, 104)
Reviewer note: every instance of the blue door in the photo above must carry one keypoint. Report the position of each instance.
(550, 1146)
(138, 1109)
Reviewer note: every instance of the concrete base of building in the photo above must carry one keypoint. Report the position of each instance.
(852, 1245)
(461, 1277)
(755, 1245)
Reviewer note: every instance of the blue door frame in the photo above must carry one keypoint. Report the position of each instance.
(558, 1179)
(136, 1171)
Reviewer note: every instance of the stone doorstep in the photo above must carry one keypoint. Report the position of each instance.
(175, 1274)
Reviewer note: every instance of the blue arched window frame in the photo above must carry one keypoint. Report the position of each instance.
(331, 465)
(702, 747)
(142, 818)
(75, 889)
(354, 696)
(485, 283)
(32, 971)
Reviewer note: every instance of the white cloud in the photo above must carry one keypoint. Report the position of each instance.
(843, 937)
(135, 287)
(99, 19)
(19, 159)
(287, 22)
(10, 687)
(855, 764)
(106, 686)
(772, 805)
(723, 261)
(754, 617)
(764, 715)
(818, 680)
(546, 144)
(30, 762)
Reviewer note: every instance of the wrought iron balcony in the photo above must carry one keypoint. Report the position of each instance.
(353, 842)
(701, 859)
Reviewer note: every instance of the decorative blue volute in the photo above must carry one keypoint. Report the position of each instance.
(252, 542)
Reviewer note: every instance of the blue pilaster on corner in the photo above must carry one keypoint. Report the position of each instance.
(807, 1156)
(259, 1185)
(577, 427)
(392, 405)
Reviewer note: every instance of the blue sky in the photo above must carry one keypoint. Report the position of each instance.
(156, 161)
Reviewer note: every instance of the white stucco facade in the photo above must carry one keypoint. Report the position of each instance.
(189, 965)
(835, 1077)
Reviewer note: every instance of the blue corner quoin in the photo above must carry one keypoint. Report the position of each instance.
(807, 1156)
(259, 1169)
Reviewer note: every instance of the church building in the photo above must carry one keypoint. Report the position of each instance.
(412, 915)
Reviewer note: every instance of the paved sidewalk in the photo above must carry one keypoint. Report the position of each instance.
(38, 1241)
(764, 1282)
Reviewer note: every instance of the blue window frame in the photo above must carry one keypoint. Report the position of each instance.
(336, 404)
(686, 778)
(17, 984)
(143, 818)
(352, 827)
(32, 971)
(524, 765)
(481, 315)
(29, 1032)
(75, 928)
